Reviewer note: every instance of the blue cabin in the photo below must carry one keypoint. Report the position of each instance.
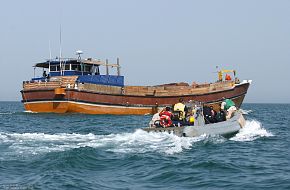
(87, 70)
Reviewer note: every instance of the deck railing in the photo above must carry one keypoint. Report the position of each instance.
(163, 90)
(51, 83)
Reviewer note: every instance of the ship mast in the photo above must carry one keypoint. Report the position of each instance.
(79, 53)
(49, 56)
(60, 53)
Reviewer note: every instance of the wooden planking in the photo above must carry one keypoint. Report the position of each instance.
(172, 90)
(165, 90)
(100, 88)
(68, 80)
(41, 85)
(71, 106)
(55, 82)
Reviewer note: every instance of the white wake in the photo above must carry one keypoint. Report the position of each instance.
(28, 111)
(252, 131)
(136, 142)
(6, 113)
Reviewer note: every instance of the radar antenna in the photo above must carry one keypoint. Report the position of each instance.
(79, 53)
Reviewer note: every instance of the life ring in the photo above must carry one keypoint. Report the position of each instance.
(165, 121)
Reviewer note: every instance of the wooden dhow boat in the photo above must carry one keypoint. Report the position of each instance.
(76, 85)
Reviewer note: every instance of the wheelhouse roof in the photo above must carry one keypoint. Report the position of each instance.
(74, 61)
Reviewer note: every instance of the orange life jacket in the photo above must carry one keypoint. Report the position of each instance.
(228, 77)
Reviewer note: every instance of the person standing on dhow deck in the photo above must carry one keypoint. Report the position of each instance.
(229, 106)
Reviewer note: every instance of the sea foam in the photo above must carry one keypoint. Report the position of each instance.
(6, 113)
(135, 142)
(252, 131)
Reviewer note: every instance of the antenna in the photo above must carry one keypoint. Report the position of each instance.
(118, 67)
(49, 55)
(79, 53)
(60, 53)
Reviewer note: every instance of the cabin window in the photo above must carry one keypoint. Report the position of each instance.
(54, 68)
(67, 67)
(76, 67)
(87, 68)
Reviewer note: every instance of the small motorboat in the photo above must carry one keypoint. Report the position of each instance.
(225, 128)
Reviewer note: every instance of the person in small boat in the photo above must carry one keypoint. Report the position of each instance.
(209, 114)
(190, 119)
(166, 111)
(166, 117)
(191, 113)
(199, 117)
(228, 106)
(155, 121)
(181, 109)
(220, 116)
(213, 114)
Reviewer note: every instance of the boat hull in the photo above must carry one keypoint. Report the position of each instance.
(226, 128)
(81, 101)
(85, 108)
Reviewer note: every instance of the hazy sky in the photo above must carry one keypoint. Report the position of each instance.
(157, 41)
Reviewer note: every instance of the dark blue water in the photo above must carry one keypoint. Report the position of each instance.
(75, 151)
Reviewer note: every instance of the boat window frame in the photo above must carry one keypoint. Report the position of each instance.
(78, 67)
(57, 68)
(87, 66)
(69, 67)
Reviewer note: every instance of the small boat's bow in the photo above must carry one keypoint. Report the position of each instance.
(241, 119)
(225, 128)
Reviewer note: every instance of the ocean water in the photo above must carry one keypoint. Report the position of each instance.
(77, 151)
